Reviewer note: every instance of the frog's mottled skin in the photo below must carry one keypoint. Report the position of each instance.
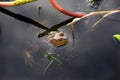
(22, 2)
(117, 37)
(57, 38)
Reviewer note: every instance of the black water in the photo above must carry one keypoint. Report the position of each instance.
(95, 55)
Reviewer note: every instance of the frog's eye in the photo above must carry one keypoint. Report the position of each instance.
(61, 34)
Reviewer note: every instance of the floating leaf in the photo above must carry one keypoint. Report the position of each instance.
(117, 37)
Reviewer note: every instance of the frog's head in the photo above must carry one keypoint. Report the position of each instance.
(57, 38)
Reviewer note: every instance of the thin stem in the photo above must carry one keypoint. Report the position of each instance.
(106, 15)
(15, 3)
(48, 65)
(73, 33)
(7, 4)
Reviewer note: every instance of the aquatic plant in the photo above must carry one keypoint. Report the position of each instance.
(82, 15)
(15, 3)
(94, 3)
(105, 13)
(117, 37)
(52, 58)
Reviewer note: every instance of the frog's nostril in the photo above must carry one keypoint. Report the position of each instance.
(61, 34)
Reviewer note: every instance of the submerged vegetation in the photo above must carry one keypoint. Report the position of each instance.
(52, 58)
(28, 58)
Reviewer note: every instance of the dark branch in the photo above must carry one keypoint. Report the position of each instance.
(55, 27)
(22, 18)
(33, 22)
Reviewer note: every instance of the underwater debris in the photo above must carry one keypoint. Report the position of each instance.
(52, 58)
(28, 58)
(57, 38)
(94, 3)
(105, 14)
(39, 8)
(15, 3)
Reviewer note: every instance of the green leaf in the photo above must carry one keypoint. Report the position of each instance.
(54, 58)
(48, 54)
(46, 68)
(51, 56)
(22, 2)
(117, 37)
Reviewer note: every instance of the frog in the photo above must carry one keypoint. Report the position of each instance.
(57, 38)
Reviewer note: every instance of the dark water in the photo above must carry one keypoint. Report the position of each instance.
(95, 55)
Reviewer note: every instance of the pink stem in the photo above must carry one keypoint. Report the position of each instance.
(7, 4)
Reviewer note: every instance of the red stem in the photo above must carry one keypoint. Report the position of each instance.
(62, 10)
